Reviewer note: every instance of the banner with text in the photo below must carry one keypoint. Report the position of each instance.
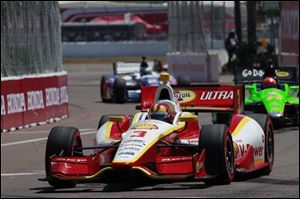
(33, 99)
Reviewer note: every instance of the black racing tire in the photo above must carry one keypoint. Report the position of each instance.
(278, 123)
(221, 118)
(219, 158)
(265, 122)
(103, 79)
(296, 118)
(62, 141)
(184, 81)
(120, 91)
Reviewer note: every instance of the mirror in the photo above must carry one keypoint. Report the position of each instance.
(164, 77)
(187, 118)
(116, 118)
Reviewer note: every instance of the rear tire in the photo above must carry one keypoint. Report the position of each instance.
(103, 79)
(219, 159)
(62, 140)
(184, 81)
(265, 122)
(120, 91)
(221, 118)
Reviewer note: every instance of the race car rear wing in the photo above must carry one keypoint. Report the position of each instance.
(201, 98)
(120, 68)
(248, 75)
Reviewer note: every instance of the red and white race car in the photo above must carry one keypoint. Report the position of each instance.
(177, 148)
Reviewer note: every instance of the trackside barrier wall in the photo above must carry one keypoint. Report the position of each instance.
(289, 59)
(195, 65)
(33, 100)
(126, 48)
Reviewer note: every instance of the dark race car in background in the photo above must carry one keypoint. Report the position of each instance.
(126, 81)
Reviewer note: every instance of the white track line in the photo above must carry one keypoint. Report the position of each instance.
(37, 132)
(21, 174)
(38, 139)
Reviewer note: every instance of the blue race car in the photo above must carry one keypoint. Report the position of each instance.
(126, 81)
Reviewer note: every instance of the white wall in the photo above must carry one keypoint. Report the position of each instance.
(126, 48)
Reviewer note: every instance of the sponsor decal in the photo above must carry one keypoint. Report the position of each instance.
(274, 97)
(131, 147)
(216, 95)
(235, 149)
(64, 98)
(145, 126)
(3, 112)
(15, 103)
(185, 96)
(243, 148)
(189, 141)
(52, 96)
(282, 74)
(258, 151)
(35, 100)
(138, 134)
(253, 73)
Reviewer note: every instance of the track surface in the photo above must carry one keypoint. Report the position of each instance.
(22, 154)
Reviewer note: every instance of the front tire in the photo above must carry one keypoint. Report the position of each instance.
(221, 118)
(62, 141)
(102, 83)
(219, 159)
(120, 91)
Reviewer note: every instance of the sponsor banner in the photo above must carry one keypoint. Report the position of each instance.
(13, 104)
(33, 100)
(197, 97)
(255, 74)
(33, 90)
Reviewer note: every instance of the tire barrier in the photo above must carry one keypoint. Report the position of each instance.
(33, 100)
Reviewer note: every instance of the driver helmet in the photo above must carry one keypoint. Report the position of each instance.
(269, 81)
(161, 111)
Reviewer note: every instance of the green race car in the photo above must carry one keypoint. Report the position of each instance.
(278, 96)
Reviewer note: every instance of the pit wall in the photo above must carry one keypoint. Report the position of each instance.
(33, 100)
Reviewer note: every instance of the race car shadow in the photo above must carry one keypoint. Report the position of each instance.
(249, 176)
(258, 177)
(154, 185)
(126, 185)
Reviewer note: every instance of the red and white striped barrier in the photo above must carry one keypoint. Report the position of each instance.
(33, 100)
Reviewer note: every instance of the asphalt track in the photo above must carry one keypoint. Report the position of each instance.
(22, 155)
